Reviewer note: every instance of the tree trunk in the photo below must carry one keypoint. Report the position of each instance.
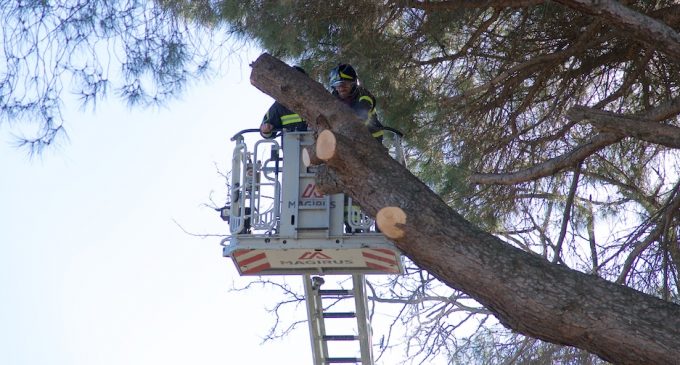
(524, 291)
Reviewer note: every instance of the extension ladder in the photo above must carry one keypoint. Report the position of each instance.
(321, 304)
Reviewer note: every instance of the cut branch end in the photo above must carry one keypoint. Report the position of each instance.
(389, 220)
(309, 158)
(325, 145)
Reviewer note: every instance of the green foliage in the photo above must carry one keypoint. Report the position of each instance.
(52, 48)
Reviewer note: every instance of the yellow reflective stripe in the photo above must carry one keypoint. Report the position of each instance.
(290, 119)
(379, 133)
(367, 98)
(344, 75)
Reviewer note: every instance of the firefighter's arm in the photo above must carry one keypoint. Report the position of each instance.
(364, 107)
(367, 105)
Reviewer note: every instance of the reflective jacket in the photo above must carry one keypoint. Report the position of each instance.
(283, 119)
(363, 104)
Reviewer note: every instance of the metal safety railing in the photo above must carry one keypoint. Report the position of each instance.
(255, 187)
(254, 203)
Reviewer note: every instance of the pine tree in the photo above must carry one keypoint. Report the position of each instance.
(550, 124)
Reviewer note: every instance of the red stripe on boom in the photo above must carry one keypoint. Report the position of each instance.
(384, 250)
(255, 258)
(380, 258)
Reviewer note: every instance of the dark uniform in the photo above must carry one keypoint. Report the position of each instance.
(360, 100)
(281, 118)
(363, 103)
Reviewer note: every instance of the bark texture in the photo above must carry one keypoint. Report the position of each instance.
(524, 291)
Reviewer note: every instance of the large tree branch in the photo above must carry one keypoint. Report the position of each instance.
(525, 292)
(551, 166)
(613, 127)
(647, 29)
(663, 134)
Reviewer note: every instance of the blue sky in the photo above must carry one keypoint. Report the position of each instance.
(93, 268)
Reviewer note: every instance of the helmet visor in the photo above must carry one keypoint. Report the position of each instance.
(339, 82)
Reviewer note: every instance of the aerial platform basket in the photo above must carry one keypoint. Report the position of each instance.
(281, 225)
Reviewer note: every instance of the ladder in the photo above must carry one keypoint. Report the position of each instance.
(320, 314)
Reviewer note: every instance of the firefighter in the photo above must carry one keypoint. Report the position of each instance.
(279, 117)
(345, 85)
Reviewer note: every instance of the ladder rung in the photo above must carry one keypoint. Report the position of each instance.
(336, 292)
(339, 315)
(340, 338)
(342, 360)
